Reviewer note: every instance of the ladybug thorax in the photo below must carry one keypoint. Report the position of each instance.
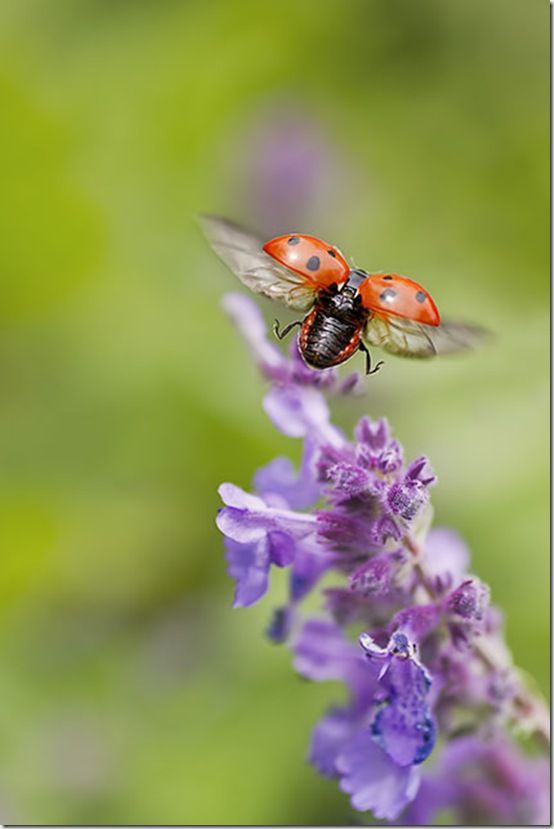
(344, 301)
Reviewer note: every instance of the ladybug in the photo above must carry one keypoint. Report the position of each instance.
(348, 308)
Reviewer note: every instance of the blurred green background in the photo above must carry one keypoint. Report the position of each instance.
(414, 136)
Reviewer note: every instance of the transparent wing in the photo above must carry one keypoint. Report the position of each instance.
(413, 339)
(242, 252)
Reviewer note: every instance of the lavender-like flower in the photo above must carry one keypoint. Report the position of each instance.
(432, 693)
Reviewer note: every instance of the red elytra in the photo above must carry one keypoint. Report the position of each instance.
(396, 295)
(320, 263)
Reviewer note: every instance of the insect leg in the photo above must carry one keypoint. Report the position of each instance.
(286, 330)
(368, 369)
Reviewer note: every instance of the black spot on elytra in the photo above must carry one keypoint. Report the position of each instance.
(388, 278)
(387, 294)
(313, 263)
(420, 296)
(294, 240)
(332, 253)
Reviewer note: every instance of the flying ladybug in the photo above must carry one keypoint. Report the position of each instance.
(347, 308)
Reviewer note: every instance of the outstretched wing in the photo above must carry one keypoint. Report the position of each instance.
(406, 338)
(242, 252)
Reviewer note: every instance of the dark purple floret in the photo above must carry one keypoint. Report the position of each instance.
(375, 449)
(380, 575)
(467, 608)
(419, 620)
(406, 499)
(469, 600)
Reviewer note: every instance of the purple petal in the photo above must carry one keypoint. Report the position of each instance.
(404, 727)
(282, 548)
(309, 565)
(298, 490)
(242, 526)
(249, 564)
(234, 496)
(322, 653)
(420, 470)
(251, 519)
(375, 434)
(373, 780)
(246, 526)
(300, 412)
(249, 567)
(329, 738)
(432, 797)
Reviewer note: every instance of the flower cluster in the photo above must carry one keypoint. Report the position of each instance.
(430, 675)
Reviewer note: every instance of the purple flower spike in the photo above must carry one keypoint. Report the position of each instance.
(355, 511)
(373, 780)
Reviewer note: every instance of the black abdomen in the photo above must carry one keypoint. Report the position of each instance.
(327, 340)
